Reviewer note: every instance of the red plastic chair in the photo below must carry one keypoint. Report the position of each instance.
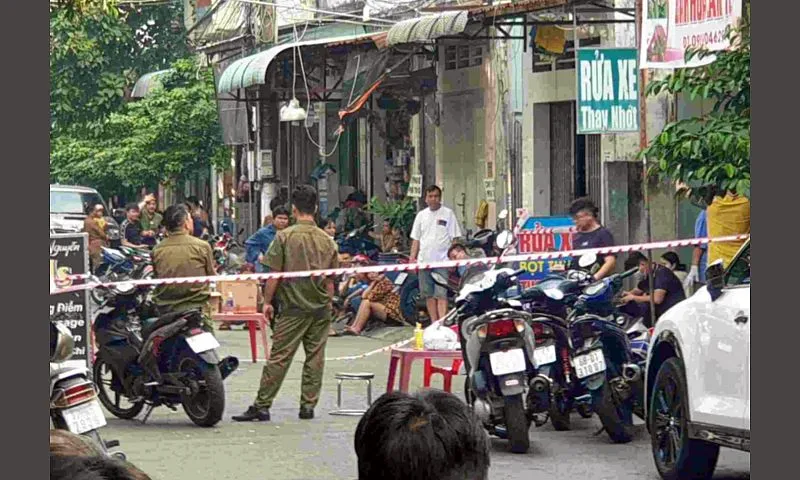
(447, 373)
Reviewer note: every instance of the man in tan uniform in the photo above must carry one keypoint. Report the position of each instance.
(304, 307)
(182, 255)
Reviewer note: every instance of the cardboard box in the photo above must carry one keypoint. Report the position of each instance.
(245, 295)
(216, 302)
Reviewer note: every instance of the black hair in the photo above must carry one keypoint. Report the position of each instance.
(673, 258)
(581, 204)
(304, 199)
(428, 436)
(193, 201)
(175, 216)
(634, 259)
(90, 207)
(433, 188)
(277, 202)
(455, 246)
(280, 210)
(97, 467)
(132, 206)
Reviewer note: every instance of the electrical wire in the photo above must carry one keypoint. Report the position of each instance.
(316, 10)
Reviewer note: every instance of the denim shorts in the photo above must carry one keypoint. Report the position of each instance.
(428, 288)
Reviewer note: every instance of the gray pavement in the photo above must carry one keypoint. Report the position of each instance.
(170, 447)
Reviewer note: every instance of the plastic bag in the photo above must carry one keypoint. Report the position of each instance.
(440, 337)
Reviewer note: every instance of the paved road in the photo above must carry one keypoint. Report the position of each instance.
(169, 447)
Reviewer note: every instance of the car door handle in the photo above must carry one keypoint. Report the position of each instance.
(741, 318)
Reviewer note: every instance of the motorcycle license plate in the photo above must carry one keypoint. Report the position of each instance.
(84, 418)
(544, 355)
(511, 361)
(202, 343)
(589, 364)
(400, 278)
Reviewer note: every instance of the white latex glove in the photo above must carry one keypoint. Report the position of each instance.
(693, 276)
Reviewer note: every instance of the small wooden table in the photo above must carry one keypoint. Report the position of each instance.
(406, 356)
(255, 321)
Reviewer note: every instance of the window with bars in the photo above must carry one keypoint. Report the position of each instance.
(462, 56)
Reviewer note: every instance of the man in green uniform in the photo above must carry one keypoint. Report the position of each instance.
(304, 307)
(182, 255)
(150, 221)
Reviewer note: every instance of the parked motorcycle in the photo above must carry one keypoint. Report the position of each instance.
(125, 263)
(73, 398)
(170, 361)
(229, 255)
(603, 359)
(498, 347)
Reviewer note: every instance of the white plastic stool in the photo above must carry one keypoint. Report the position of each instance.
(340, 378)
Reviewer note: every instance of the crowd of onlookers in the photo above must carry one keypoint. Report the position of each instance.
(431, 435)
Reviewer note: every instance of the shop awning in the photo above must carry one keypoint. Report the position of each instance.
(429, 27)
(252, 70)
(147, 83)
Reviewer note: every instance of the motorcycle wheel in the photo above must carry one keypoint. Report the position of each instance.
(617, 419)
(104, 390)
(204, 408)
(517, 425)
(676, 455)
(560, 410)
(584, 410)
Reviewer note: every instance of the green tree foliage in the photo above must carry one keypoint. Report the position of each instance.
(400, 213)
(168, 136)
(715, 149)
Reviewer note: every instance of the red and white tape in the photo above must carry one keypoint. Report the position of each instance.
(410, 267)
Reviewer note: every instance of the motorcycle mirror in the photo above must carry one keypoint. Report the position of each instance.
(554, 294)
(439, 279)
(504, 239)
(587, 260)
(503, 214)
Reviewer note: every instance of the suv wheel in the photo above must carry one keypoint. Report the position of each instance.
(677, 457)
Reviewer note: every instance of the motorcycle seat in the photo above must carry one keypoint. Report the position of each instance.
(152, 324)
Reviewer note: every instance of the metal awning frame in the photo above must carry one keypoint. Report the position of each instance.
(243, 97)
(503, 22)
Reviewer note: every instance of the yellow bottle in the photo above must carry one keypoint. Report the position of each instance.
(419, 343)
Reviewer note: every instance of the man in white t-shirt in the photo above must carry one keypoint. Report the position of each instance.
(434, 231)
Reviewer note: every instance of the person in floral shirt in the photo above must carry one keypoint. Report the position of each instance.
(378, 301)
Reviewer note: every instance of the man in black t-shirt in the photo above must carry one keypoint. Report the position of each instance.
(667, 288)
(591, 234)
(132, 228)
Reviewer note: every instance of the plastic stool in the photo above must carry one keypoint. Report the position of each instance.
(447, 373)
(340, 378)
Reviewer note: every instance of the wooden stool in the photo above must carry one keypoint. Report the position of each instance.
(342, 377)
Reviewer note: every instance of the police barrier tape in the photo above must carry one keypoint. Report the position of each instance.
(410, 267)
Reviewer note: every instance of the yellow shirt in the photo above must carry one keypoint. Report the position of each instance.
(728, 215)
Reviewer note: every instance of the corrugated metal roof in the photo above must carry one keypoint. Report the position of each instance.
(252, 70)
(147, 83)
(510, 8)
(426, 28)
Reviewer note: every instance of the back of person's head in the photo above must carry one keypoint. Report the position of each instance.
(428, 436)
(175, 217)
(583, 204)
(673, 259)
(304, 199)
(98, 467)
(65, 443)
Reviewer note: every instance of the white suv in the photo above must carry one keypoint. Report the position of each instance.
(698, 374)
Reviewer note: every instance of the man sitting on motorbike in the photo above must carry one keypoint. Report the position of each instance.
(667, 290)
(182, 255)
(353, 216)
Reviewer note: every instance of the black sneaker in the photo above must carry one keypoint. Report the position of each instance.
(253, 414)
(306, 413)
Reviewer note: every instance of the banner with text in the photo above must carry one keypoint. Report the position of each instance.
(608, 91)
(544, 234)
(669, 27)
(69, 255)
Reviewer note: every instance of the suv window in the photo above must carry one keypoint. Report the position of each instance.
(739, 271)
(73, 203)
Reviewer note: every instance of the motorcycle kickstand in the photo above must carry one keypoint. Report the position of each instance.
(150, 408)
(602, 429)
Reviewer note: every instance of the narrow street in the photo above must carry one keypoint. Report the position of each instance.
(169, 447)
